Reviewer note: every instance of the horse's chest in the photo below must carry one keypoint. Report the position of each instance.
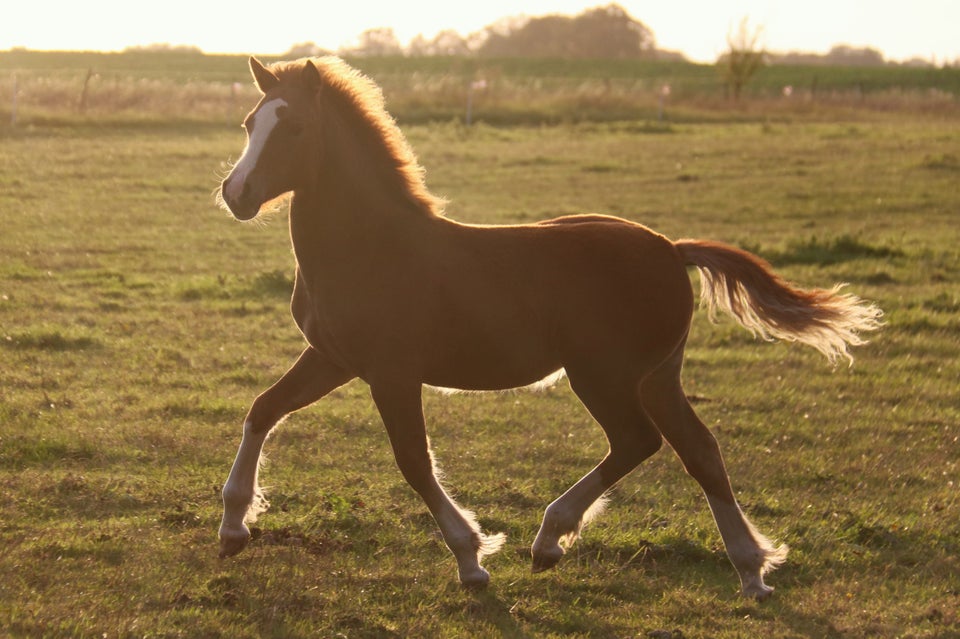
(347, 319)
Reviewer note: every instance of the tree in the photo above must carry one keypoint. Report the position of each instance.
(305, 50)
(609, 32)
(447, 42)
(604, 32)
(743, 58)
(846, 55)
(165, 47)
(381, 41)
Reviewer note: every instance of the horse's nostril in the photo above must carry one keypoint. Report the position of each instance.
(232, 192)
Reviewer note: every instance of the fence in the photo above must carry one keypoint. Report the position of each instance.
(217, 88)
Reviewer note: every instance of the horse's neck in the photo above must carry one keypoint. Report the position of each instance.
(362, 169)
(358, 208)
(344, 219)
(357, 195)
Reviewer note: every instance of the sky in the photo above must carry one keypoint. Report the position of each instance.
(900, 29)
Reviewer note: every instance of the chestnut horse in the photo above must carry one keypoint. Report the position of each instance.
(390, 291)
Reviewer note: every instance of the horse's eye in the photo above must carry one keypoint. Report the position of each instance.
(294, 128)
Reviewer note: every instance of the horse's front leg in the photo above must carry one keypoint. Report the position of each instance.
(309, 379)
(402, 412)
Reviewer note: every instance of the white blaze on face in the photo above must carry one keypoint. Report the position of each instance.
(259, 130)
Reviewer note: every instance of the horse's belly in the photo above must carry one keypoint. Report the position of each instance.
(476, 380)
(473, 364)
(541, 384)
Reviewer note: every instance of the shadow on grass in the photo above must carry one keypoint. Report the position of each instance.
(487, 606)
(50, 339)
(827, 251)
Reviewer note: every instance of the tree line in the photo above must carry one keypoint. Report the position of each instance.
(605, 32)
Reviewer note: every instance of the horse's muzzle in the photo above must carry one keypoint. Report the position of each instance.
(240, 199)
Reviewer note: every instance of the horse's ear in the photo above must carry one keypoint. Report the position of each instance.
(310, 76)
(264, 77)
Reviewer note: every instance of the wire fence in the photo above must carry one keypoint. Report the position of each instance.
(46, 86)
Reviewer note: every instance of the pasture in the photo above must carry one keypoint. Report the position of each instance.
(138, 322)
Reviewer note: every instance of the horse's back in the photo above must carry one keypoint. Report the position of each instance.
(598, 287)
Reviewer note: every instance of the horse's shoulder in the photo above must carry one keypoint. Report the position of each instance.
(300, 305)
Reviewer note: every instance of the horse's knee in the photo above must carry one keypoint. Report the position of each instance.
(417, 469)
(261, 417)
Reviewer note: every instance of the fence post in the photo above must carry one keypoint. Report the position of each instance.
(476, 85)
(470, 104)
(661, 103)
(13, 107)
(82, 105)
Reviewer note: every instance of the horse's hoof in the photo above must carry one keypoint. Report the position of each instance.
(758, 592)
(546, 559)
(475, 580)
(232, 541)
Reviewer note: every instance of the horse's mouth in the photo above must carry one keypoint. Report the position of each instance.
(245, 213)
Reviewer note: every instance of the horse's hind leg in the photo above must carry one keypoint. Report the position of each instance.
(309, 379)
(751, 553)
(402, 412)
(632, 438)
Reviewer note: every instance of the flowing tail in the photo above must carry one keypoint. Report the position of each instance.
(746, 287)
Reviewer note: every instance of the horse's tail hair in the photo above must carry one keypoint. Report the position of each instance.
(746, 287)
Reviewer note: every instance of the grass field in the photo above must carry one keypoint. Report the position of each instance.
(137, 322)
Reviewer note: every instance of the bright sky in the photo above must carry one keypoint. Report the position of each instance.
(901, 30)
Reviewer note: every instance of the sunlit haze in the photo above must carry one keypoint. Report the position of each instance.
(924, 29)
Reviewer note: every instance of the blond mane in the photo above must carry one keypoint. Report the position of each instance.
(366, 99)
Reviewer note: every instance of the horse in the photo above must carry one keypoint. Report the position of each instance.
(390, 290)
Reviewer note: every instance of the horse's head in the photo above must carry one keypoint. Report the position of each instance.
(281, 141)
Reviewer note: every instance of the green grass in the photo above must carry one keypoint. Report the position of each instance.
(137, 323)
